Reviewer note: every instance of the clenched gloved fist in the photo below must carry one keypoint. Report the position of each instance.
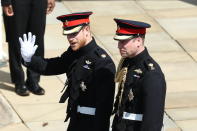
(28, 47)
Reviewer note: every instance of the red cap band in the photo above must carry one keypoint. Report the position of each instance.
(131, 31)
(75, 22)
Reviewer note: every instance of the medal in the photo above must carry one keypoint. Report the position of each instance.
(83, 86)
(130, 95)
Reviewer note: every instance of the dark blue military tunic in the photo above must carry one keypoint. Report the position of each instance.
(90, 83)
(143, 94)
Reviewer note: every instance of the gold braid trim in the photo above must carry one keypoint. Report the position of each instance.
(120, 77)
(121, 84)
(119, 72)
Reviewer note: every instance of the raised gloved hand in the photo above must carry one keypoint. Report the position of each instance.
(28, 47)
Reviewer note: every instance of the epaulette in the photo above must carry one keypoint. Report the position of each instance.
(149, 65)
(100, 53)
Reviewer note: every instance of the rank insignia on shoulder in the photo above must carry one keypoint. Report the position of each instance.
(151, 66)
(88, 62)
(83, 86)
(103, 56)
(138, 71)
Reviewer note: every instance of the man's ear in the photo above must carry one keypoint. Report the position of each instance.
(87, 29)
(139, 41)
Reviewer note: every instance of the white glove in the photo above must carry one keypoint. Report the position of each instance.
(28, 48)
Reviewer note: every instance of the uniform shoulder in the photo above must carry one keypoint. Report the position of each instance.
(103, 59)
(153, 71)
(67, 52)
(152, 66)
(101, 54)
(153, 76)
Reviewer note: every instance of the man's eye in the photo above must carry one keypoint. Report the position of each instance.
(74, 34)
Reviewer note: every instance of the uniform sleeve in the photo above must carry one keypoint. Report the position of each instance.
(154, 87)
(105, 88)
(52, 66)
(5, 2)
